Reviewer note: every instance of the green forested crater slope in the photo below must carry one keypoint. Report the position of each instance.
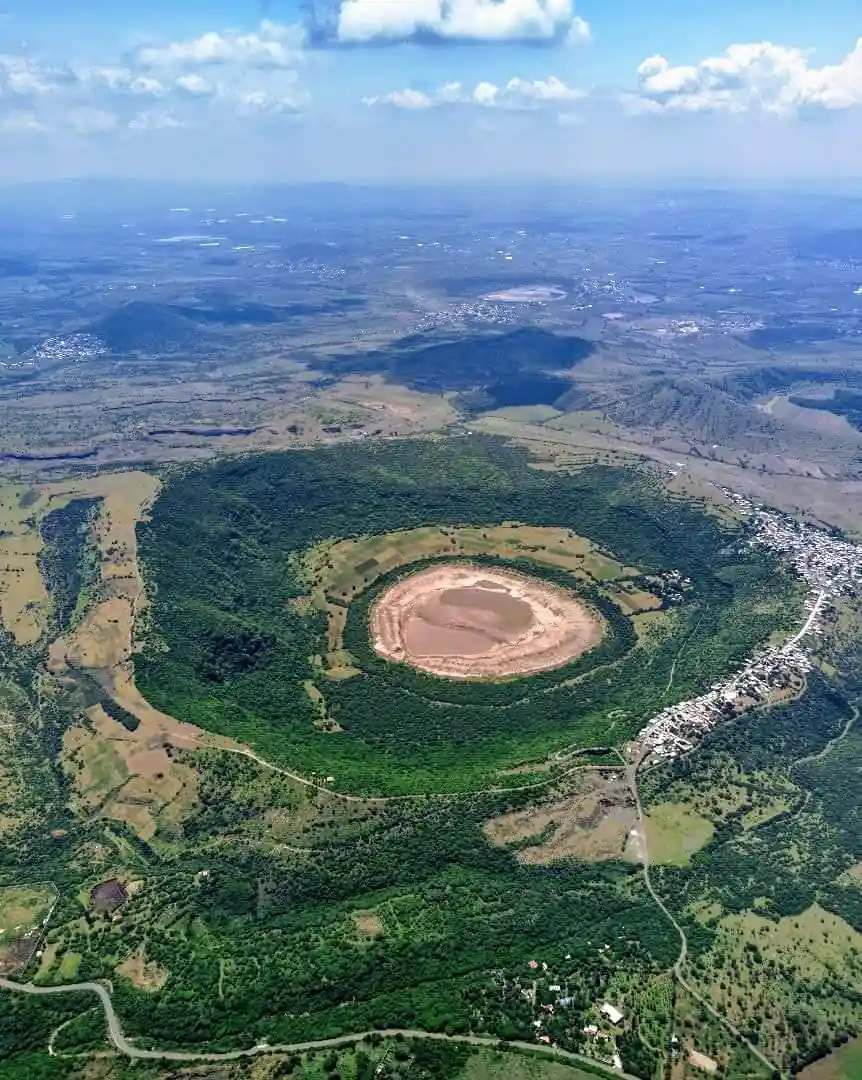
(228, 650)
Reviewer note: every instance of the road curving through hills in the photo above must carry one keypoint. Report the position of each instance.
(128, 1049)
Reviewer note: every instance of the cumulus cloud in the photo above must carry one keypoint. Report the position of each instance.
(357, 22)
(515, 94)
(259, 101)
(154, 120)
(159, 86)
(27, 77)
(758, 76)
(403, 99)
(195, 85)
(119, 80)
(272, 45)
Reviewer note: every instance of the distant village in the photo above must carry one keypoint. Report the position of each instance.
(832, 568)
(68, 348)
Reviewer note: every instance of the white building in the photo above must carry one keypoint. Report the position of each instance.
(613, 1014)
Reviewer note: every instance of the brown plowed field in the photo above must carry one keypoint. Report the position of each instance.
(473, 622)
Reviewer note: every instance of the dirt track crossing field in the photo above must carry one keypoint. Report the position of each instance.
(473, 622)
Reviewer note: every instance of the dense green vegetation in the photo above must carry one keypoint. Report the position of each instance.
(777, 865)
(68, 563)
(229, 652)
(268, 946)
(271, 911)
(32, 797)
(396, 1058)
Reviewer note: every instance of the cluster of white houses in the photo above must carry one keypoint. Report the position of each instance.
(677, 728)
(832, 567)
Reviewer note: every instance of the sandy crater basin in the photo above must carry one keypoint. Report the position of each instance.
(472, 622)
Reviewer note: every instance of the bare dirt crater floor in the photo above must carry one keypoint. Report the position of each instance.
(475, 622)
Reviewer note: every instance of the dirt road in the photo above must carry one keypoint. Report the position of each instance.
(632, 772)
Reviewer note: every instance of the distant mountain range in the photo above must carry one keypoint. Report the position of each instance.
(489, 370)
(691, 406)
(144, 326)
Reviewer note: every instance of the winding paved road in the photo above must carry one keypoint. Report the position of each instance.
(115, 1031)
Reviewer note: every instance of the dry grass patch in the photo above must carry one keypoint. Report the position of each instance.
(103, 642)
(633, 600)
(397, 409)
(527, 824)
(142, 973)
(24, 601)
(854, 874)
(702, 1061)
(592, 824)
(368, 924)
(128, 776)
(104, 639)
(23, 910)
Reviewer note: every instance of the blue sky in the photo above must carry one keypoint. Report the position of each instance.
(431, 89)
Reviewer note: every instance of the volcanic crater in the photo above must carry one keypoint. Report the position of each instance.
(475, 622)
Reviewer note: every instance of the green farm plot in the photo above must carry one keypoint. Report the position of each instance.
(675, 833)
(496, 1065)
(23, 911)
(845, 1063)
(233, 548)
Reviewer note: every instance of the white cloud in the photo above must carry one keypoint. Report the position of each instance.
(119, 80)
(579, 32)
(89, 121)
(259, 101)
(25, 76)
(404, 99)
(759, 76)
(20, 122)
(215, 75)
(272, 45)
(195, 85)
(154, 120)
(362, 21)
(540, 90)
(486, 93)
(515, 94)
